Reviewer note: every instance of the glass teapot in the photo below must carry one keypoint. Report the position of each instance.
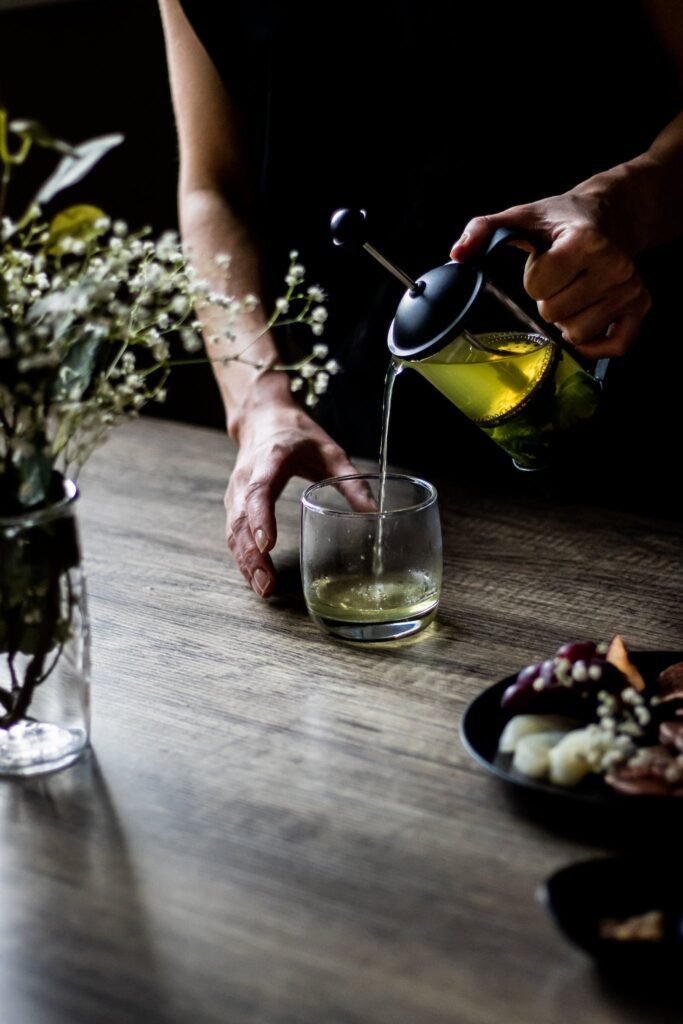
(456, 328)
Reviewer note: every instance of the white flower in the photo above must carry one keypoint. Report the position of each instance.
(320, 351)
(320, 383)
(316, 293)
(332, 366)
(317, 329)
(319, 314)
(296, 384)
(281, 305)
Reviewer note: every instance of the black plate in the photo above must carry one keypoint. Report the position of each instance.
(484, 720)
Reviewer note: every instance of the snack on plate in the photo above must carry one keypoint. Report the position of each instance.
(588, 710)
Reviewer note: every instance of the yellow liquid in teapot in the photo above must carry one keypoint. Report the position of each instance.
(519, 388)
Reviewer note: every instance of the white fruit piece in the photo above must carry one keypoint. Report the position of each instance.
(532, 753)
(526, 725)
(577, 754)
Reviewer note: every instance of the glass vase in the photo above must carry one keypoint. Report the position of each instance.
(44, 640)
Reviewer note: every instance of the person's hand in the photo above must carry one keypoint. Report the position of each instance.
(585, 283)
(277, 440)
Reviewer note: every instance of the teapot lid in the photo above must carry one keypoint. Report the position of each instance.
(430, 314)
(436, 304)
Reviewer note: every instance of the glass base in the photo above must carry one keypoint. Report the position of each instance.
(33, 748)
(373, 632)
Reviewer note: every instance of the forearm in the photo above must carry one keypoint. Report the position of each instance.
(210, 228)
(640, 202)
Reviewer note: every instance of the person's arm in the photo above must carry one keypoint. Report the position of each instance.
(276, 439)
(586, 283)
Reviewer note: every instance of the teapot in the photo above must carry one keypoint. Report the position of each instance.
(525, 389)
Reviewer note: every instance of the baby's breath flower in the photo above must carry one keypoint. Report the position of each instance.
(86, 334)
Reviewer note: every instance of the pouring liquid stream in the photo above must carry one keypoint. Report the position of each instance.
(394, 369)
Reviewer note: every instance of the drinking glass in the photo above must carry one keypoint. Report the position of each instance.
(371, 559)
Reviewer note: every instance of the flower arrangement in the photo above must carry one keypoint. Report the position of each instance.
(88, 309)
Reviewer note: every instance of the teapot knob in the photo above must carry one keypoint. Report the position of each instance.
(349, 227)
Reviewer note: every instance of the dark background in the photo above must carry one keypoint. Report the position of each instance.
(90, 67)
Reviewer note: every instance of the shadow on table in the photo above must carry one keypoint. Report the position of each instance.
(650, 996)
(74, 939)
(630, 824)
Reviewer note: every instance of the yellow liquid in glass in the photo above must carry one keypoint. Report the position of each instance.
(365, 599)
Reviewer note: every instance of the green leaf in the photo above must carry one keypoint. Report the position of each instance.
(39, 135)
(76, 371)
(74, 167)
(78, 222)
(33, 473)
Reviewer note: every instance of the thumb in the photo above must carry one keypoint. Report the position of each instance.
(474, 237)
(479, 230)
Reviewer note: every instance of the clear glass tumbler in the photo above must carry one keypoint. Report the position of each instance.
(371, 558)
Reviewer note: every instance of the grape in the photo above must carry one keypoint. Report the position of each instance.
(567, 683)
(518, 694)
(577, 650)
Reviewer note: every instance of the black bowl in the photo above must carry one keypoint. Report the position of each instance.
(584, 896)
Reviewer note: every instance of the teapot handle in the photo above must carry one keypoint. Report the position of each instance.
(501, 236)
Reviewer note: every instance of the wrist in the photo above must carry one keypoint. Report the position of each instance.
(267, 390)
(623, 202)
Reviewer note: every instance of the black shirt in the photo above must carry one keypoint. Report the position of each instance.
(426, 115)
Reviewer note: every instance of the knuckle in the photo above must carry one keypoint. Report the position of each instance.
(621, 270)
(255, 491)
(237, 523)
(550, 310)
(591, 239)
(645, 301)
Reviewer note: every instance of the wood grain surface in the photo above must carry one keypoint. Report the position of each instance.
(279, 828)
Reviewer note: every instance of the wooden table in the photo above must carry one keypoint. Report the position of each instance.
(283, 829)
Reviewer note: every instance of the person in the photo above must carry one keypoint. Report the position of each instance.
(427, 117)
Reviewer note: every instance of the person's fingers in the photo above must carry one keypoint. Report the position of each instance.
(592, 323)
(578, 260)
(478, 231)
(250, 525)
(589, 287)
(617, 340)
(357, 492)
(255, 566)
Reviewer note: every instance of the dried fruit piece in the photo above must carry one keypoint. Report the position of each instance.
(617, 655)
(652, 771)
(670, 681)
